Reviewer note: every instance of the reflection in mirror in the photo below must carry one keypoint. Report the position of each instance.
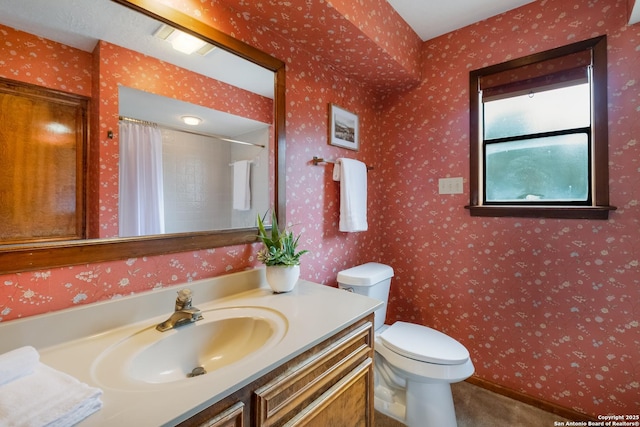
(202, 180)
(43, 138)
(130, 49)
(87, 48)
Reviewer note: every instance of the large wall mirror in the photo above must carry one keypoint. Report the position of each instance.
(214, 177)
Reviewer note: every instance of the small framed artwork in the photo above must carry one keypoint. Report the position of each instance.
(343, 128)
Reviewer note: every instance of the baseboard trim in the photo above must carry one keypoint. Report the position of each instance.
(553, 408)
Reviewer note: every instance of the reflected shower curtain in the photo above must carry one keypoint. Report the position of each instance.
(141, 207)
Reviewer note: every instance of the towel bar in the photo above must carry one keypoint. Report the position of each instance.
(317, 160)
(250, 161)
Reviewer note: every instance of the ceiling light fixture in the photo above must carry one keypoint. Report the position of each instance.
(183, 42)
(191, 120)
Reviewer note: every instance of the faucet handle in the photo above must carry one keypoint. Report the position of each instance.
(184, 299)
(184, 294)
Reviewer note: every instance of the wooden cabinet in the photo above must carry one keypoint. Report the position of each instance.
(43, 144)
(330, 384)
(344, 405)
(232, 417)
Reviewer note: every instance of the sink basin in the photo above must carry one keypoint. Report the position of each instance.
(225, 337)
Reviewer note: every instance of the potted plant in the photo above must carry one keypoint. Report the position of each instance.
(279, 255)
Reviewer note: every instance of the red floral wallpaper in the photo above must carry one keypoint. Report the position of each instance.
(58, 66)
(365, 40)
(546, 307)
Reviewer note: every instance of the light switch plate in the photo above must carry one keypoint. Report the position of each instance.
(450, 185)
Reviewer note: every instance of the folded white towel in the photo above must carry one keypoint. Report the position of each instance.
(17, 363)
(47, 397)
(353, 194)
(241, 185)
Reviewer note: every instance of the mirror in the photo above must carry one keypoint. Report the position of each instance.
(270, 157)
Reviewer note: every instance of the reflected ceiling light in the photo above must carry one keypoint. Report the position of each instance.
(183, 42)
(191, 120)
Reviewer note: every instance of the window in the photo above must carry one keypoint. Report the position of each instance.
(539, 135)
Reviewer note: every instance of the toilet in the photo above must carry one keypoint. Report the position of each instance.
(414, 364)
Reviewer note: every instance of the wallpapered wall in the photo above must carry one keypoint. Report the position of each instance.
(547, 307)
(59, 67)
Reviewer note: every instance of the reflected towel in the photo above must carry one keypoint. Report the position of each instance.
(241, 185)
(47, 397)
(18, 363)
(352, 175)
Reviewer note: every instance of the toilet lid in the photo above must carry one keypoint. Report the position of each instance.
(424, 344)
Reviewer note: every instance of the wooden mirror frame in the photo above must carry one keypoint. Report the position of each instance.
(40, 256)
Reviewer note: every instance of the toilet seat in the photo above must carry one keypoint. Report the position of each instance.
(423, 344)
(416, 370)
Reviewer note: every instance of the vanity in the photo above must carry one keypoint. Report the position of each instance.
(299, 358)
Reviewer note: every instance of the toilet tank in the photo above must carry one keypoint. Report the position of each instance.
(371, 279)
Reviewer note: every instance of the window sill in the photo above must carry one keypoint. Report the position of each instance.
(563, 212)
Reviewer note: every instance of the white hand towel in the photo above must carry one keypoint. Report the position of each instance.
(353, 195)
(17, 363)
(47, 397)
(241, 185)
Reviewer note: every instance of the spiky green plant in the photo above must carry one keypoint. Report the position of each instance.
(279, 246)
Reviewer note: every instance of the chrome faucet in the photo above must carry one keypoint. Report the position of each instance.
(183, 313)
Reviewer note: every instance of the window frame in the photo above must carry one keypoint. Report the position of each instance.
(599, 207)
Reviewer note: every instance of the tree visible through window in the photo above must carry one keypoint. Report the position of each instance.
(539, 136)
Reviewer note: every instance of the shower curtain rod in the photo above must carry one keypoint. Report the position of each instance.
(209, 135)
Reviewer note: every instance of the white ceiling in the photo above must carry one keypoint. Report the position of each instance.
(135, 103)
(433, 18)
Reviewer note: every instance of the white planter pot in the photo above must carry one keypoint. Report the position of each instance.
(282, 278)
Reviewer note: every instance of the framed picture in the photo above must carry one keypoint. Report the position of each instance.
(343, 128)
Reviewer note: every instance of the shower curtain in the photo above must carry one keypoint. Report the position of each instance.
(141, 205)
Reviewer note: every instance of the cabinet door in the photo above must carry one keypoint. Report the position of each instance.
(324, 375)
(43, 138)
(231, 417)
(343, 405)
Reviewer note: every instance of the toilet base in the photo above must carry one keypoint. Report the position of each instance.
(392, 406)
(430, 405)
(420, 405)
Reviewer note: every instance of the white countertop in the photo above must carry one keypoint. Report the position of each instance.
(71, 341)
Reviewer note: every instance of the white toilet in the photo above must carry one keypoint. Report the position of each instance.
(414, 364)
